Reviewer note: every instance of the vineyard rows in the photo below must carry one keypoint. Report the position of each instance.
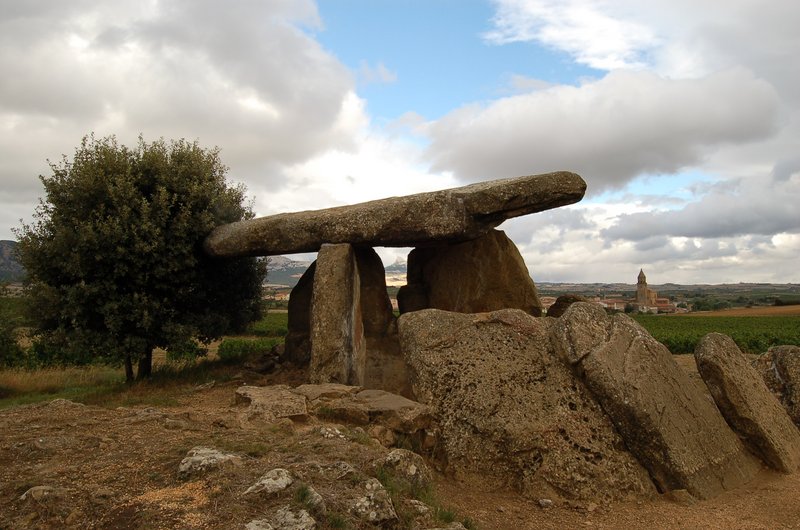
(680, 334)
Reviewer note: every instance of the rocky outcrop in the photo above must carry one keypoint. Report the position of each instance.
(478, 276)
(747, 404)
(270, 403)
(780, 369)
(563, 302)
(457, 214)
(202, 459)
(511, 411)
(665, 420)
(273, 481)
(376, 506)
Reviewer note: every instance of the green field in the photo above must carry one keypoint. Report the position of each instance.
(753, 334)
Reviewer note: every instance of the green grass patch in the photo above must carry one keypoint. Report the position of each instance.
(680, 334)
(272, 324)
(235, 349)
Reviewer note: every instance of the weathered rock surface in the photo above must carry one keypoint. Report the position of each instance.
(780, 369)
(746, 402)
(407, 466)
(376, 506)
(271, 482)
(510, 411)
(284, 519)
(202, 459)
(338, 348)
(457, 214)
(271, 403)
(563, 302)
(298, 338)
(343, 322)
(477, 276)
(666, 421)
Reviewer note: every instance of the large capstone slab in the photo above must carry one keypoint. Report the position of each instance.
(457, 214)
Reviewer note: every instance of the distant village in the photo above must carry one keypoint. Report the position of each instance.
(646, 300)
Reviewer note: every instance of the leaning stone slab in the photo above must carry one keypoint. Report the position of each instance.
(780, 369)
(457, 214)
(667, 422)
(746, 402)
(511, 412)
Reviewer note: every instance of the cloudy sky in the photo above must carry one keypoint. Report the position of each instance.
(683, 116)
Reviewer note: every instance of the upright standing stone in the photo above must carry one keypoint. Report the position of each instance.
(338, 347)
(353, 331)
(667, 422)
(298, 338)
(746, 402)
(485, 274)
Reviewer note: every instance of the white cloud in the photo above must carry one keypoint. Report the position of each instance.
(610, 131)
(581, 28)
(752, 208)
(242, 76)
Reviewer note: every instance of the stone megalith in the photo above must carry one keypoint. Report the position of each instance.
(484, 274)
(298, 338)
(457, 214)
(343, 322)
(338, 348)
(746, 403)
(780, 369)
(510, 411)
(667, 422)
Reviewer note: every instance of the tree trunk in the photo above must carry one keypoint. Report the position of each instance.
(128, 369)
(145, 365)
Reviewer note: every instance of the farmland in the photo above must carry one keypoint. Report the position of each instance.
(753, 334)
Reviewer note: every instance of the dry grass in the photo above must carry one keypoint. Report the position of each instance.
(18, 386)
(51, 380)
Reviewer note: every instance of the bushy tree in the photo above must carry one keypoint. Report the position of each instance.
(114, 256)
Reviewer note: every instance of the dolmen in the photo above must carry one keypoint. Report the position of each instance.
(340, 318)
(577, 405)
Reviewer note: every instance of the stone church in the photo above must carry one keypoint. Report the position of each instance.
(645, 297)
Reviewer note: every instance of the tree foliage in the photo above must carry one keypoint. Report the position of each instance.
(114, 256)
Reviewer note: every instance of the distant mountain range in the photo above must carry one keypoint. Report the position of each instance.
(10, 268)
(285, 272)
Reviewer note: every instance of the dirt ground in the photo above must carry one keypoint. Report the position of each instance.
(117, 468)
